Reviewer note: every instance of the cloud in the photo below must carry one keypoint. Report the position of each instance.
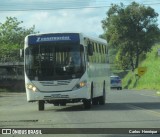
(66, 21)
(87, 20)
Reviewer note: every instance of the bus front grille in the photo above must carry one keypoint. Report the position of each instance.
(55, 83)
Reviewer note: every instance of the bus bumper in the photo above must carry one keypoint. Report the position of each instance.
(81, 93)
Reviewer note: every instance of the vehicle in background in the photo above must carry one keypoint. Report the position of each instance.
(116, 82)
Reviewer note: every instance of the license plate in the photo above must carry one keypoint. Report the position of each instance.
(59, 96)
(56, 96)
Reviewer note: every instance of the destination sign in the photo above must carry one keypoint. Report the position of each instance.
(41, 39)
(50, 38)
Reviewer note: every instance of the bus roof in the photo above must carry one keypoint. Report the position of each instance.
(91, 38)
(95, 39)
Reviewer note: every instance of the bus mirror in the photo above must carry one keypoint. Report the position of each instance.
(21, 53)
(90, 49)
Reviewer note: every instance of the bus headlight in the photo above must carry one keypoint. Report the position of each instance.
(80, 84)
(34, 89)
(31, 87)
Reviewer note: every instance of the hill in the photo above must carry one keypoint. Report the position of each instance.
(151, 79)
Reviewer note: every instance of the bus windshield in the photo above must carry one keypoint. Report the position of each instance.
(54, 61)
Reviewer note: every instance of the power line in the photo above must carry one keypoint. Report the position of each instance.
(72, 8)
(60, 8)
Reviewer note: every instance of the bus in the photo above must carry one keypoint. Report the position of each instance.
(63, 68)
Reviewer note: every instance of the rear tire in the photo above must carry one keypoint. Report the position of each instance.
(95, 101)
(41, 105)
(56, 104)
(102, 99)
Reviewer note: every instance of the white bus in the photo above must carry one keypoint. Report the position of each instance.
(65, 68)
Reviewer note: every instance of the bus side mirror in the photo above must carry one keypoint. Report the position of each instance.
(90, 49)
(21, 53)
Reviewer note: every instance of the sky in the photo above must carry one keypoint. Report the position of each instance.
(52, 16)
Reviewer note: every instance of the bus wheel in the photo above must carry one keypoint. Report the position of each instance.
(56, 104)
(40, 105)
(63, 104)
(87, 103)
(102, 98)
(95, 101)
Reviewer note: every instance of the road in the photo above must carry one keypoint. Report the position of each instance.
(123, 109)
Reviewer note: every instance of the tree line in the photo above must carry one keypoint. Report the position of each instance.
(12, 39)
(129, 30)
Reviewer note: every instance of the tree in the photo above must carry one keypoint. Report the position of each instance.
(132, 30)
(12, 38)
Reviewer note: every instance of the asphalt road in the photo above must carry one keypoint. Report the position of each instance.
(123, 109)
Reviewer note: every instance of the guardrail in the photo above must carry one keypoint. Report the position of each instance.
(5, 64)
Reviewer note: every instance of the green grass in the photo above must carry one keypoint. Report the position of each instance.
(151, 79)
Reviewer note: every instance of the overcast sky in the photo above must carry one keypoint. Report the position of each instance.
(64, 15)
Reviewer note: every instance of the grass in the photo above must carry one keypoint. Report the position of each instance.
(151, 79)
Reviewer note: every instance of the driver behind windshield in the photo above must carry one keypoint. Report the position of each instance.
(74, 59)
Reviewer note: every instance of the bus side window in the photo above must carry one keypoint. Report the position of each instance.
(94, 52)
(90, 49)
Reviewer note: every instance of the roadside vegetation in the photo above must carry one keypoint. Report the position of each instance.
(12, 39)
(131, 32)
(150, 80)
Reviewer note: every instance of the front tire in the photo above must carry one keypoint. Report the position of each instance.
(87, 103)
(63, 104)
(41, 105)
